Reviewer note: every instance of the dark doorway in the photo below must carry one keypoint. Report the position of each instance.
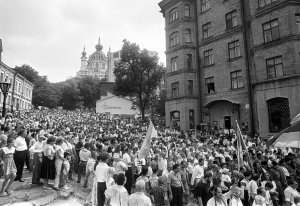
(279, 114)
(227, 122)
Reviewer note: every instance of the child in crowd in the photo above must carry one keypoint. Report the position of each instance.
(66, 169)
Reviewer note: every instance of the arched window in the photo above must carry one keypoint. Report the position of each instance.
(188, 36)
(173, 15)
(279, 114)
(174, 39)
(187, 10)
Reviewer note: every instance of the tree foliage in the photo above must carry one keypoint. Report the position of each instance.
(138, 76)
(71, 94)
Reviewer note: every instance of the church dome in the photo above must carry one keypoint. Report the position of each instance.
(98, 54)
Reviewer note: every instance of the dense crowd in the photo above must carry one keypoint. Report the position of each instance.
(181, 168)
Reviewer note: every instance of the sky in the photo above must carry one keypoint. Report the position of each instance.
(49, 35)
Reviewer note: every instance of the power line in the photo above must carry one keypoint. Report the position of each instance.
(35, 63)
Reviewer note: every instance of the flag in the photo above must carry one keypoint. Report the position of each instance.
(145, 149)
(296, 119)
(240, 146)
(289, 137)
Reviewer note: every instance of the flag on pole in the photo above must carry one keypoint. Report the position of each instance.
(145, 149)
(240, 146)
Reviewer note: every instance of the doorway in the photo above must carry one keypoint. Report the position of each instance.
(227, 122)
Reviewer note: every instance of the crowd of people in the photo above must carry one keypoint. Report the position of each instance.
(182, 168)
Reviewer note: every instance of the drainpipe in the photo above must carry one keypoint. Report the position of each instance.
(248, 64)
(198, 64)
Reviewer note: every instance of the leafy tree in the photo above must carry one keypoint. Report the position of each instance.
(137, 76)
(158, 103)
(71, 98)
(44, 93)
(89, 89)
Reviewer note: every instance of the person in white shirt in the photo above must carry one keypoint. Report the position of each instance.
(198, 172)
(162, 162)
(84, 156)
(117, 195)
(59, 159)
(102, 176)
(128, 173)
(291, 192)
(139, 198)
(119, 164)
(20, 153)
(37, 150)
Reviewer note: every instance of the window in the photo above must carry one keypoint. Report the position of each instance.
(11, 79)
(187, 10)
(174, 39)
(188, 36)
(271, 30)
(6, 78)
(175, 89)
(210, 84)
(234, 49)
(236, 79)
(298, 23)
(189, 61)
(205, 5)
(208, 58)
(190, 87)
(279, 114)
(174, 64)
(173, 15)
(1, 77)
(206, 30)
(231, 19)
(274, 67)
(262, 3)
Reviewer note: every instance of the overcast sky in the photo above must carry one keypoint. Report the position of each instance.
(49, 35)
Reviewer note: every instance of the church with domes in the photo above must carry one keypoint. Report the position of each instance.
(99, 65)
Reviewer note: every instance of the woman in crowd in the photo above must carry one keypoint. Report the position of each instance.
(48, 165)
(20, 153)
(7, 160)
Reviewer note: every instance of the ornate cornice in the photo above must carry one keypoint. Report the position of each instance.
(181, 71)
(227, 33)
(195, 97)
(275, 6)
(181, 46)
(277, 42)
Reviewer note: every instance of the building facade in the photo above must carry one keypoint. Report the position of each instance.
(20, 93)
(99, 65)
(232, 60)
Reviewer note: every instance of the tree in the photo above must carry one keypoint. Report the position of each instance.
(89, 89)
(71, 98)
(44, 93)
(137, 76)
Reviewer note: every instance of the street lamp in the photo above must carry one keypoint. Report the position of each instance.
(4, 88)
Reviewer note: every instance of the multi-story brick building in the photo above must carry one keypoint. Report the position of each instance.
(232, 60)
(20, 93)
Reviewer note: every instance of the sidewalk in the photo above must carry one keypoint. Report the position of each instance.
(27, 194)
